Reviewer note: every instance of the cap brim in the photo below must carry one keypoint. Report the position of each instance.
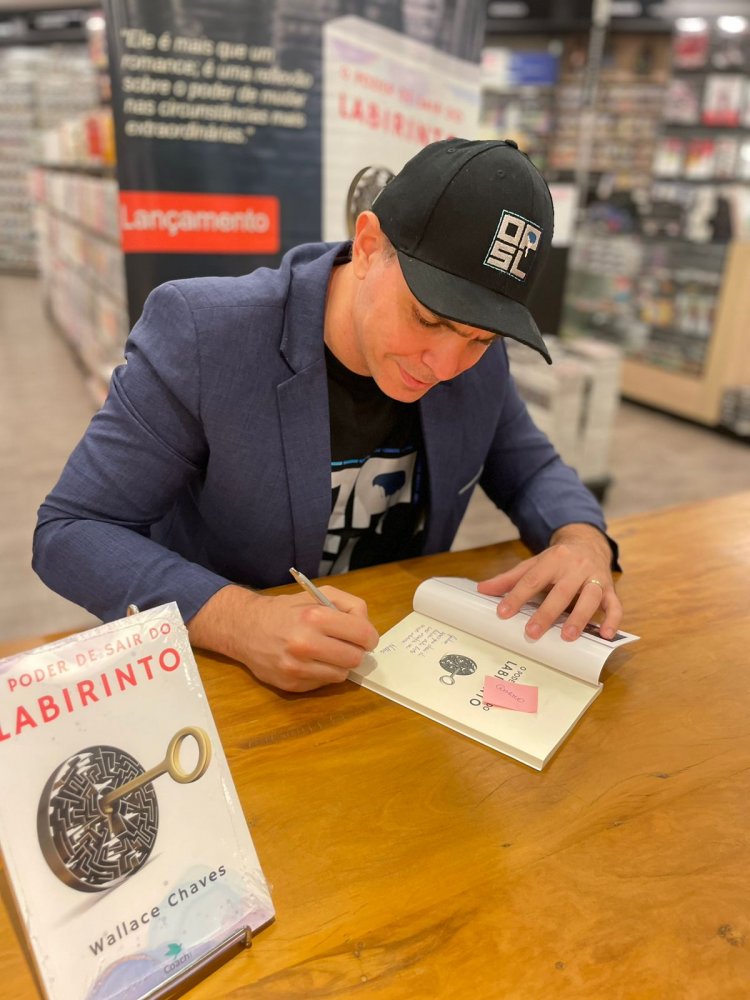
(466, 302)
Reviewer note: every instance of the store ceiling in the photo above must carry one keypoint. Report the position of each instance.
(528, 16)
(498, 11)
(10, 8)
(41, 22)
(20, 6)
(537, 8)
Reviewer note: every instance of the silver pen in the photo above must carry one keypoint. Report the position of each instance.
(310, 587)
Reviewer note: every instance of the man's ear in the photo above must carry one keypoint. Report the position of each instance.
(368, 241)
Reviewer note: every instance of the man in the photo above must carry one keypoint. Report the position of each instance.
(334, 413)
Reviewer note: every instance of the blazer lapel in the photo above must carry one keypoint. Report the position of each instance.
(303, 412)
(305, 431)
(442, 431)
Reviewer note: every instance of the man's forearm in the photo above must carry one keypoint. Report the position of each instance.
(221, 623)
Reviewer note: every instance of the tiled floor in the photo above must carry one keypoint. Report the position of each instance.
(656, 461)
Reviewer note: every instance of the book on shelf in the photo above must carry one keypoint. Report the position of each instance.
(669, 157)
(690, 49)
(700, 159)
(722, 99)
(453, 660)
(729, 52)
(743, 161)
(682, 105)
(726, 155)
(124, 841)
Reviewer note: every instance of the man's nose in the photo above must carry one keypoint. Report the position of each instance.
(448, 359)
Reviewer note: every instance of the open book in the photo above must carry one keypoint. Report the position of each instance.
(442, 657)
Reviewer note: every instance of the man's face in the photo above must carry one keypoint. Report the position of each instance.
(403, 345)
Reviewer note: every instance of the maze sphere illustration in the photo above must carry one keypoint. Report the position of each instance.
(86, 846)
(454, 663)
(98, 816)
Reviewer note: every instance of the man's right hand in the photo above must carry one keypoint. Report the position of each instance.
(290, 642)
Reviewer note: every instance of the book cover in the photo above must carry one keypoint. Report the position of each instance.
(122, 834)
(690, 49)
(682, 104)
(722, 99)
(743, 162)
(725, 157)
(438, 660)
(669, 157)
(700, 159)
(385, 95)
(730, 51)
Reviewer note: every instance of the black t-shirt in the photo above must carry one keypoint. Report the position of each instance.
(378, 485)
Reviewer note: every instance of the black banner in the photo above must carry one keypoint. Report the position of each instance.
(218, 113)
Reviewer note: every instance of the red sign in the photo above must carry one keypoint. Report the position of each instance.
(172, 222)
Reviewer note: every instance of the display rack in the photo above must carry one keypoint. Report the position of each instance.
(518, 96)
(699, 395)
(17, 130)
(38, 86)
(661, 270)
(703, 163)
(82, 265)
(524, 114)
(678, 310)
(627, 110)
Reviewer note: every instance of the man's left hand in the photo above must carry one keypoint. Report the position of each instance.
(575, 571)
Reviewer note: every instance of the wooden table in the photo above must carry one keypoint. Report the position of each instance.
(408, 862)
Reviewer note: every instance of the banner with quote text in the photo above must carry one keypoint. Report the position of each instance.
(244, 127)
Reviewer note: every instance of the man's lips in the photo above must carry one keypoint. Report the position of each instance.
(415, 383)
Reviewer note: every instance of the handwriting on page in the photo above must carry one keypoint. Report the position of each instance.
(516, 697)
(425, 637)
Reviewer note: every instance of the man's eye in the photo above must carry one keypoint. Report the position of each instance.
(423, 321)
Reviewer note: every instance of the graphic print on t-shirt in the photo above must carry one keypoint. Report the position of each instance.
(376, 510)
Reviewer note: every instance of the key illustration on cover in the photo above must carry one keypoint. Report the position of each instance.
(98, 815)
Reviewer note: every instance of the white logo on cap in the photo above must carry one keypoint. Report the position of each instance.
(514, 239)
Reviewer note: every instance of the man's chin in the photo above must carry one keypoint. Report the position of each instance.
(415, 386)
(402, 394)
(396, 383)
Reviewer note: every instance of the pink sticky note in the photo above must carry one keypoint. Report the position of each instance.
(516, 697)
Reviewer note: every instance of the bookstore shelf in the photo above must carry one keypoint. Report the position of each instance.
(660, 268)
(38, 87)
(704, 396)
(702, 166)
(81, 264)
(679, 312)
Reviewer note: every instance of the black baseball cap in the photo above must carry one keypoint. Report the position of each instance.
(472, 223)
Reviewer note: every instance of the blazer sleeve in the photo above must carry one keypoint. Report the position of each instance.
(140, 451)
(526, 478)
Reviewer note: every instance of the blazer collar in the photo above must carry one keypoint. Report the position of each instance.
(303, 402)
(302, 336)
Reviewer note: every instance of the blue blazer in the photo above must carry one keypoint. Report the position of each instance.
(210, 462)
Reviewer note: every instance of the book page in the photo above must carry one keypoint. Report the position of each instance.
(439, 671)
(455, 601)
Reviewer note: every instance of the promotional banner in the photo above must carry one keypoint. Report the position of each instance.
(228, 152)
(385, 96)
